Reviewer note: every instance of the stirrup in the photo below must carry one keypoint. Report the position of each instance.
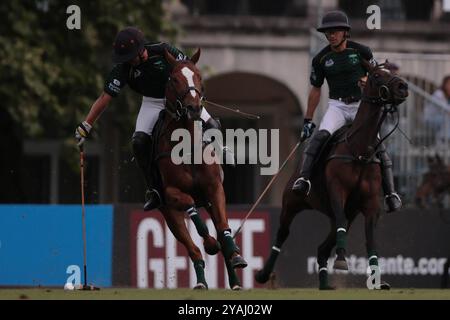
(229, 156)
(152, 200)
(392, 206)
(299, 185)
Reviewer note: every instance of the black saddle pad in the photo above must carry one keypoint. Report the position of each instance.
(333, 140)
(328, 148)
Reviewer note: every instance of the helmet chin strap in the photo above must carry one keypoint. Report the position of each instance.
(345, 37)
(342, 41)
(141, 57)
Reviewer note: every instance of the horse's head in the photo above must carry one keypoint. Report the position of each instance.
(184, 88)
(383, 87)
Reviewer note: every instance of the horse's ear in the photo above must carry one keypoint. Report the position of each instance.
(169, 57)
(196, 56)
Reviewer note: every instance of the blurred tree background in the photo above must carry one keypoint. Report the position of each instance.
(50, 75)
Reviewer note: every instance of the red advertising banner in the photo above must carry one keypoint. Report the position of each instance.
(158, 260)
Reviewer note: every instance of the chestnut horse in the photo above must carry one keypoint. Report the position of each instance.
(347, 178)
(185, 187)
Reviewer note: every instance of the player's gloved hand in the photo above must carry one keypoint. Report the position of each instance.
(308, 129)
(362, 82)
(82, 132)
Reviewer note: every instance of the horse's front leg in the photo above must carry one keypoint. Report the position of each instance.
(292, 204)
(233, 279)
(216, 195)
(371, 213)
(181, 201)
(338, 197)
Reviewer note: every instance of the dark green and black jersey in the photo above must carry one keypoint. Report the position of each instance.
(149, 78)
(341, 69)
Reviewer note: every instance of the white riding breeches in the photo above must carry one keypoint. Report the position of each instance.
(338, 115)
(149, 113)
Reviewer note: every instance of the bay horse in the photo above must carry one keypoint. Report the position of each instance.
(346, 179)
(186, 187)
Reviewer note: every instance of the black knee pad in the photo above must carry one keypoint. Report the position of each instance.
(142, 144)
(317, 141)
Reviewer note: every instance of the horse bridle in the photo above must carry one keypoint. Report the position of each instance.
(180, 109)
(382, 99)
(385, 96)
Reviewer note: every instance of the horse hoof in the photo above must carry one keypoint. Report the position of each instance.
(340, 264)
(385, 286)
(261, 277)
(236, 287)
(327, 288)
(237, 262)
(212, 246)
(200, 286)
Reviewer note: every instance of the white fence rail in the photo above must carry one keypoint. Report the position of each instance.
(425, 121)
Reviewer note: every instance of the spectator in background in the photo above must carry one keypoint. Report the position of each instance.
(436, 118)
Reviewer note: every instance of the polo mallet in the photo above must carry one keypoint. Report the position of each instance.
(243, 114)
(83, 217)
(268, 186)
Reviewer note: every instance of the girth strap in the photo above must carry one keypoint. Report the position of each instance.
(349, 158)
(162, 155)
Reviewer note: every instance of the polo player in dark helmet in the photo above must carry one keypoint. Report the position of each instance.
(340, 64)
(143, 67)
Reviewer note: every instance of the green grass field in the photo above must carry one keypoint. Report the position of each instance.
(254, 294)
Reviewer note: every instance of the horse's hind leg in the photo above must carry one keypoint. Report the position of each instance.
(233, 279)
(338, 196)
(175, 221)
(323, 253)
(184, 202)
(287, 215)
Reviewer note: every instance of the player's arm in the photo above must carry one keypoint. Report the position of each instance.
(316, 79)
(158, 48)
(98, 107)
(84, 128)
(313, 102)
(367, 55)
(174, 51)
(113, 85)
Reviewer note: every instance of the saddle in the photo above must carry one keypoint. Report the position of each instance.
(326, 152)
(157, 133)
